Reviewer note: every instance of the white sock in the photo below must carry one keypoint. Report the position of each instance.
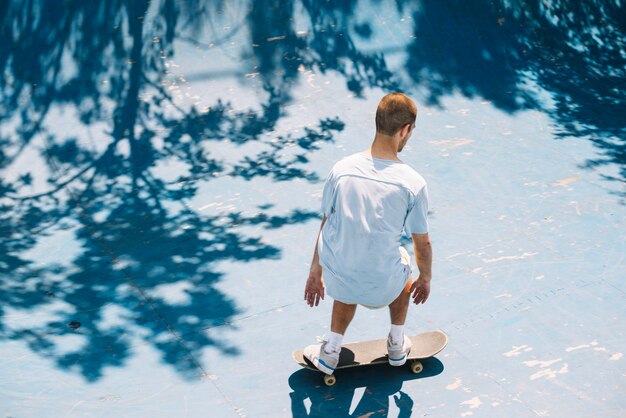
(397, 334)
(334, 343)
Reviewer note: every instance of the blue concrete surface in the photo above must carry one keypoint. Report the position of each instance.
(161, 174)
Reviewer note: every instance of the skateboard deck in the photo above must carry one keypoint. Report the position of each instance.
(370, 352)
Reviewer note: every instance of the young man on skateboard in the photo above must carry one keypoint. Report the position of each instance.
(368, 200)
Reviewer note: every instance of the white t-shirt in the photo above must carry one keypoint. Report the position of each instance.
(368, 202)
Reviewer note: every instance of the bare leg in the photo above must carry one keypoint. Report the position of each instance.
(342, 316)
(325, 356)
(399, 307)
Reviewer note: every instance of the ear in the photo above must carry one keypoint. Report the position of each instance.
(405, 130)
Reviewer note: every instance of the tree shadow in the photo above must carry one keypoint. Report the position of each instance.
(145, 272)
(147, 264)
(282, 53)
(563, 58)
(380, 383)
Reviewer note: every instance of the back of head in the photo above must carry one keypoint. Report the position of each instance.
(394, 111)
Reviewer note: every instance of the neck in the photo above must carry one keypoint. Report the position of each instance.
(384, 147)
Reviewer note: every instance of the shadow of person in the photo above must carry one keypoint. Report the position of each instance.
(380, 383)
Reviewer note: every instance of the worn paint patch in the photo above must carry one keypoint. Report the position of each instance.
(578, 347)
(509, 257)
(549, 373)
(455, 385)
(517, 350)
(593, 344)
(545, 372)
(452, 142)
(473, 403)
(533, 363)
(565, 182)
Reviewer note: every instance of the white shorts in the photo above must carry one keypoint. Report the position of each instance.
(406, 259)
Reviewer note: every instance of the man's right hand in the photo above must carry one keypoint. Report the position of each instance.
(314, 289)
(420, 290)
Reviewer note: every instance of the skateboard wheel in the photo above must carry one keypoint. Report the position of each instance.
(329, 380)
(417, 367)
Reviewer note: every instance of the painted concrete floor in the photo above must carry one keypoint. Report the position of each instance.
(162, 169)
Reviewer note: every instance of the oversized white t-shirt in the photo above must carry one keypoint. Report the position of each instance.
(368, 203)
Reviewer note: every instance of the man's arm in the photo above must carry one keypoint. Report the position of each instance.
(424, 258)
(314, 289)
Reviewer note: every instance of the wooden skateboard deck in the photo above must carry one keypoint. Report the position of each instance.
(370, 352)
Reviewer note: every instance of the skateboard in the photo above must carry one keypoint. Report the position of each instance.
(370, 352)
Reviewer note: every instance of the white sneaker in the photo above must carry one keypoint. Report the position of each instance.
(398, 352)
(325, 362)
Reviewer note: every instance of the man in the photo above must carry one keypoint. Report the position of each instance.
(368, 200)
